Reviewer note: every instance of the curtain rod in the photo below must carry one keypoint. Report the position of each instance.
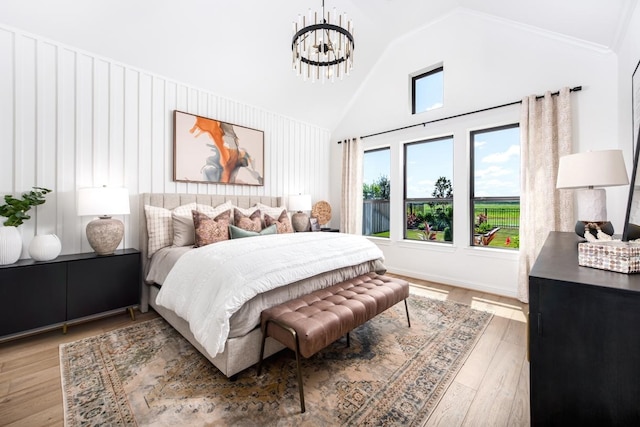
(574, 89)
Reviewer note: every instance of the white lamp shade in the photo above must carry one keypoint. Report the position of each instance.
(592, 169)
(103, 201)
(300, 202)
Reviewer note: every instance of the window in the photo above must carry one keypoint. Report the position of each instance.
(375, 192)
(427, 91)
(428, 190)
(495, 187)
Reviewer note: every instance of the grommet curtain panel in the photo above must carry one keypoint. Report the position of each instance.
(351, 206)
(545, 136)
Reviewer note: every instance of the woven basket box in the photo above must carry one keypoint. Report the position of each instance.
(622, 257)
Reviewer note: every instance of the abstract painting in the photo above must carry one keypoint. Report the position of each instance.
(211, 151)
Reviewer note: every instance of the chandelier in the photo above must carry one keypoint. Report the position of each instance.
(322, 47)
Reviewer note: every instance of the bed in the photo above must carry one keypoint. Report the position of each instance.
(178, 266)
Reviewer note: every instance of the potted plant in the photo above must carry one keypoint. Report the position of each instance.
(15, 211)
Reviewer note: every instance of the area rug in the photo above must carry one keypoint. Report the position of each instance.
(147, 374)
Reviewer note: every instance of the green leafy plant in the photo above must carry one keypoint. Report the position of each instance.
(15, 210)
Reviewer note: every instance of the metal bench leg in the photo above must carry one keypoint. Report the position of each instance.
(299, 374)
(297, 350)
(406, 307)
(264, 338)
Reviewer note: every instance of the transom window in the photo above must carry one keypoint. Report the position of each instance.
(427, 90)
(428, 186)
(495, 187)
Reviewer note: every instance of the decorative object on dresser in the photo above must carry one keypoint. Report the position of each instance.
(584, 345)
(15, 212)
(322, 46)
(45, 247)
(300, 203)
(585, 171)
(622, 257)
(322, 211)
(211, 151)
(105, 233)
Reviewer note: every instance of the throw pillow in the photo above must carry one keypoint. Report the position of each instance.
(283, 223)
(238, 233)
(159, 228)
(210, 230)
(182, 218)
(252, 222)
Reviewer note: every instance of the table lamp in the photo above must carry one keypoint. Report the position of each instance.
(299, 203)
(105, 233)
(585, 171)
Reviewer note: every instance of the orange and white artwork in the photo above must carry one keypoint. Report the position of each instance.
(211, 151)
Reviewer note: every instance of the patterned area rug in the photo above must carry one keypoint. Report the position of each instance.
(147, 374)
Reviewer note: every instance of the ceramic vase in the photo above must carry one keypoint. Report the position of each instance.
(10, 244)
(45, 247)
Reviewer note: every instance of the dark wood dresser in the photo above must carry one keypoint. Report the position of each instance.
(584, 340)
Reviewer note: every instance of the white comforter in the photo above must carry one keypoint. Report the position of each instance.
(207, 285)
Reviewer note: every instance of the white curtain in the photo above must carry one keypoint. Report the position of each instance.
(545, 129)
(351, 206)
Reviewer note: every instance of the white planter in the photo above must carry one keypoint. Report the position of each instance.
(45, 247)
(10, 244)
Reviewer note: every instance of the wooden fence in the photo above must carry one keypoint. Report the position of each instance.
(375, 217)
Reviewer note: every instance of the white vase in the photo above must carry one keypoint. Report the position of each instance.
(45, 247)
(10, 244)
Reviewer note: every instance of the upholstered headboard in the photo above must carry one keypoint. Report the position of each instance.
(173, 200)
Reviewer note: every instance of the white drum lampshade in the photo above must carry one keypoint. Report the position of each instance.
(105, 233)
(584, 171)
(300, 203)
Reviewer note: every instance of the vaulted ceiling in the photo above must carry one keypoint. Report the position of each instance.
(241, 49)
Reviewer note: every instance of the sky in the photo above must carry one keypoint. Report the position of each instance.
(496, 168)
(497, 163)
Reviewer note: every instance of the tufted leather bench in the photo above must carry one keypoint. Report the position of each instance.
(311, 322)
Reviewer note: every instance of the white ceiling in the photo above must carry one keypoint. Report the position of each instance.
(241, 49)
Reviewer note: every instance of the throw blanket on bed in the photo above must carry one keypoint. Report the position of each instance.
(208, 284)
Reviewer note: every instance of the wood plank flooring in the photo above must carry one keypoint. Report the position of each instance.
(491, 389)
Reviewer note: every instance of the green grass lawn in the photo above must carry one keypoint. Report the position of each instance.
(500, 241)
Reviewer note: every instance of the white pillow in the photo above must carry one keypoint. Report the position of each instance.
(273, 212)
(160, 227)
(182, 218)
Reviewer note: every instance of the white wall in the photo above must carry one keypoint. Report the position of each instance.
(487, 62)
(71, 119)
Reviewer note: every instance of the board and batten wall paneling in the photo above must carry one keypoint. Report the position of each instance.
(71, 119)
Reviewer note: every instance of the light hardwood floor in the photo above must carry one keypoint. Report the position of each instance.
(491, 389)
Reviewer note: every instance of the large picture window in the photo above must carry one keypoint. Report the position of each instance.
(495, 187)
(428, 187)
(375, 192)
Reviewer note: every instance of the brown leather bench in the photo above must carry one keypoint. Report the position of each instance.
(311, 322)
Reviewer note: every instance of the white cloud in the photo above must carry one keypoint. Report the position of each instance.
(478, 144)
(492, 171)
(512, 151)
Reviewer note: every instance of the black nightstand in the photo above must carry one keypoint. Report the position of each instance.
(38, 296)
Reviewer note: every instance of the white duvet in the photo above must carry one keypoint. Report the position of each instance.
(208, 284)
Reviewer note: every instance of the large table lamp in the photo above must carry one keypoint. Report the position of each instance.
(300, 203)
(105, 233)
(586, 171)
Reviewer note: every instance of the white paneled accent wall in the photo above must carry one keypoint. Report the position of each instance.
(70, 119)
